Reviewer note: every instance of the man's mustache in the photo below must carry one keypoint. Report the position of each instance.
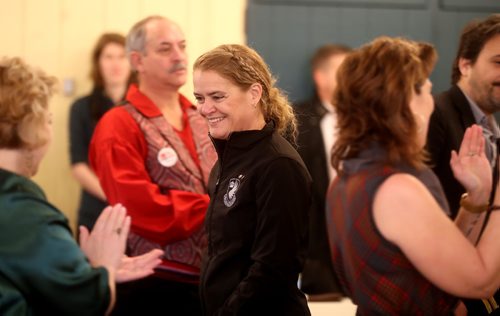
(176, 67)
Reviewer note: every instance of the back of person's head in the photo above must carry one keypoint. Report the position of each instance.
(323, 54)
(102, 42)
(376, 84)
(24, 97)
(243, 66)
(472, 40)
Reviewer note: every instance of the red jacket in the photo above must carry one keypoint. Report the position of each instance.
(158, 173)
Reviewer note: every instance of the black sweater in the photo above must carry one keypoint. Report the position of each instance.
(257, 226)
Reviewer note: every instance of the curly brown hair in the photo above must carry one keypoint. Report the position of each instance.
(372, 99)
(243, 66)
(24, 97)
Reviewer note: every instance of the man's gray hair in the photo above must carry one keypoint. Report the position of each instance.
(136, 38)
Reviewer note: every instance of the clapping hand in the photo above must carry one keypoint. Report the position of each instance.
(105, 246)
(471, 167)
(133, 268)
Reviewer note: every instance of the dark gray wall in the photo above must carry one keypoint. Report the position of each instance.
(286, 32)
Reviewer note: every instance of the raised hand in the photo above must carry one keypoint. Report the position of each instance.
(471, 167)
(105, 245)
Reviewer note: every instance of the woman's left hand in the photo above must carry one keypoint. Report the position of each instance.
(471, 167)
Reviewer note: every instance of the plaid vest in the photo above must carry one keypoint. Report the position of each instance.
(372, 271)
(183, 257)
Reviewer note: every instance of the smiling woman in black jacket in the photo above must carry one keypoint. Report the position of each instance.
(260, 190)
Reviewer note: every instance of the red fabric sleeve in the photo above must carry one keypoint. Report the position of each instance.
(117, 155)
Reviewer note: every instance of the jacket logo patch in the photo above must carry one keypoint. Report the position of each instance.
(230, 196)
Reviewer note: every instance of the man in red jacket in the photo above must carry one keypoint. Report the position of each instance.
(153, 155)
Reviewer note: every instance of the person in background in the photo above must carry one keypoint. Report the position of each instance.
(316, 125)
(110, 74)
(474, 98)
(394, 248)
(42, 269)
(153, 155)
(260, 190)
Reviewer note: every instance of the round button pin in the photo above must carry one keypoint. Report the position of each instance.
(167, 157)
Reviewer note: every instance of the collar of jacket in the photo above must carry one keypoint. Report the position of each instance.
(11, 182)
(243, 139)
(461, 104)
(146, 106)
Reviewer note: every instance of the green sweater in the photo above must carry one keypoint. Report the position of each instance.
(42, 269)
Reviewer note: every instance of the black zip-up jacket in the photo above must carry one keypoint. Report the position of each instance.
(257, 224)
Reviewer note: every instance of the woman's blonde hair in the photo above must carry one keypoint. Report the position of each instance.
(24, 96)
(372, 101)
(243, 66)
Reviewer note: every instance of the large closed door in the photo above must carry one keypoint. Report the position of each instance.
(286, 32)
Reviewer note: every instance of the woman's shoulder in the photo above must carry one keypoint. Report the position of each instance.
(399, 182)
(81, 102)
(26, 209)
(80, 109)
(281, 161)
(22, 199)
(403, 195)
(27, 225)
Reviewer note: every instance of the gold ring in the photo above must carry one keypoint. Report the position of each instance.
(471, 153)
(118, 230)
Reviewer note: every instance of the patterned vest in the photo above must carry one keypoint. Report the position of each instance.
(183, 257)
(374, 272)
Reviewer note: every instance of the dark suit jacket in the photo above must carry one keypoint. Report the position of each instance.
(452, 115)
(318, 276)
